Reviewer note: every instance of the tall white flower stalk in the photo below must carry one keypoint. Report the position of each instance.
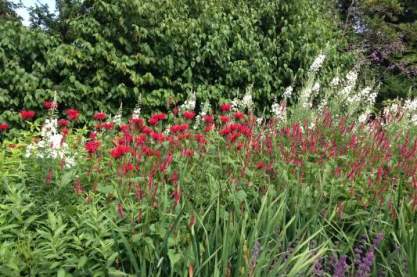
(279, 111)
(190, 103)
(205, 109)
(137, 110)
(247, 101)
(52, 143)
(117, 119)
(318, 63)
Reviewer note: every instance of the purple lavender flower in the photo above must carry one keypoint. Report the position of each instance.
(318, 267)
(340, 267)
(364, 267)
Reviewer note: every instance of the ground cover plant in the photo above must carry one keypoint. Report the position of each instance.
(322, 187)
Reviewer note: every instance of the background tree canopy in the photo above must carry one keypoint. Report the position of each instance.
(387, 31)
(98, 53)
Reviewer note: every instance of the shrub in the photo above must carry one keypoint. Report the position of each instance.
(108, 52)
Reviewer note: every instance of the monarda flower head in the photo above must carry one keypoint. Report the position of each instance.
(3, 127)
(72, 114)
(92, 146)
(208, 118)
(49, 105)
(107, 125)
(178, 128)
(100, 116)
(156, 118)
(27, 115)
(189, 114)
(239, 115)
(224, 118)
(119, 151)
(225, 107)
(63, 123)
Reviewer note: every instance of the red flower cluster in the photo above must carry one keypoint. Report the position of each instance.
(63, 122)
(92, 146)
(178, 128)
(119, 151)
(100, 116)
(27, 115)
(226, 107)
(156, 118)
(49, 105)
(3, 127)
(72, 114)
(189, 114)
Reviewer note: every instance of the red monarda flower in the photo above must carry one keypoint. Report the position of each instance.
(178, 128)
(100, 116)
(137, 122)
(127, 167)
(72, 114)
(225, 107)
(92, 146)
(140, 140)
(208, 118)
(107, 125)
(119, 151)
(124, 127)
(239, 115)
(189, 114)
(200, 138)
(156, 118)
(49, 105)
(224, 118)
(3, 127)
(158, 136)
(27, 115)
(63, 122)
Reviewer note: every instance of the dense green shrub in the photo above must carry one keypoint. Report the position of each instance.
(107, 52)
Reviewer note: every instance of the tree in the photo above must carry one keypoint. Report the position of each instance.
(387, 31)
(7, 10)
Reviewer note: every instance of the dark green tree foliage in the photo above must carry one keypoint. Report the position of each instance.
(7, 10)
(388, 31)
(103, 52)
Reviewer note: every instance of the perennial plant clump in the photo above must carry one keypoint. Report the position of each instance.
(301, 191)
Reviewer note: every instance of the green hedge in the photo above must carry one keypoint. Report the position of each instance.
(114, 50)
